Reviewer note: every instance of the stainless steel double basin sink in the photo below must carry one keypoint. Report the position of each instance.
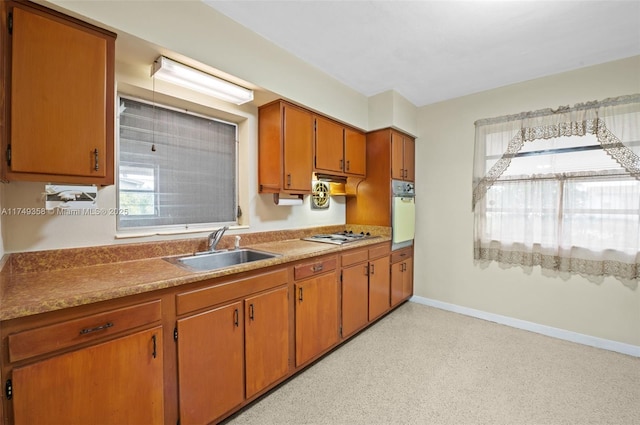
(216, 260)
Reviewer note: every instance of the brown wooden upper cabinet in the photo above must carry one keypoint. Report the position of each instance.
(58, 118)
(390, 155)
(339, 150)
(402, 157)
(285, 148)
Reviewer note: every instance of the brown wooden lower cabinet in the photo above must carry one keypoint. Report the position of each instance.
(116, 382)
(316, 313)
(355, 298)
(234, 338)
(266, 339)
(210, 363)
(230, 353)
(378, 287)
(365, 287)
(401, 276)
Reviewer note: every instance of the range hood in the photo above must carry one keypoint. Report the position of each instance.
(330, 178)
(340, 185)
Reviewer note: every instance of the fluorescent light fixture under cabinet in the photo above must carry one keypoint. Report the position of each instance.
(185, 76)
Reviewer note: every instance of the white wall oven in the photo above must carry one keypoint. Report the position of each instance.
(403, 214)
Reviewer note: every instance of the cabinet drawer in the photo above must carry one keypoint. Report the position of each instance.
(223, 292)
(309, 269)
(33, 342)
(357, 256)
(379, 251)
(400, 255)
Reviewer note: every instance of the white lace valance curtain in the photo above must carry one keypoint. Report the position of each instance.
(540, 203)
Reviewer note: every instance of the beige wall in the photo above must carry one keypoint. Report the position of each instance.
(390, 109)
(445, 270)
(199, 32)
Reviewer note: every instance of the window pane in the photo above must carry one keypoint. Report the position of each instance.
(176, 168)
(523, 212)
(602, 213)
(561, 155)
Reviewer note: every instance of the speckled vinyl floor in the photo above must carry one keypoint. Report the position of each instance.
(421, 365)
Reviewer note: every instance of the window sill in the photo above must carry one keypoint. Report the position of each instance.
(168, 232)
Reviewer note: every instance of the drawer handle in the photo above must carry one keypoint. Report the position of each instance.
(317, 268)
(97, 328)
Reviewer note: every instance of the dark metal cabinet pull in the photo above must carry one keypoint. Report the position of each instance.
(236, 318)
(288, 179)
(300, 295)
(366, 270)
(348, 164)
(317, 268)
(97, 328)
(251, 312)
(373, 269)
(341, 164)
(155, 352)
(96, 160)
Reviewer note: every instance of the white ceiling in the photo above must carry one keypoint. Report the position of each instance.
(429, 51)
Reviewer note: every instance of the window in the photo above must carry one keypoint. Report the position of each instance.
(561, 189)
(137, 183)
(175, 168)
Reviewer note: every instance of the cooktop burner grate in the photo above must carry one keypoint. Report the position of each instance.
(340, 238)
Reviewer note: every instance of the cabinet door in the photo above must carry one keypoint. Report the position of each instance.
(298, 147)
(266, 339)
(316, 316)
(355, 298)
(397, 156)
(61, 103)
(409, 159)
(355, 152)
(407, 279)
(379, 287)
(329, 145)
(117, 382)
(210, 364)
(401, 281)
(397, 283)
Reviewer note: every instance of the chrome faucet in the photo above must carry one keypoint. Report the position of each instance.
(215, 237)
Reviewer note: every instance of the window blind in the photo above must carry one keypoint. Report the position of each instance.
(175, 168)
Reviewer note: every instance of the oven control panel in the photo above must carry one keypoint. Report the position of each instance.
(403, 188)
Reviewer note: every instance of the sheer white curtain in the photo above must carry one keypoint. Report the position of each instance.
(560, 189)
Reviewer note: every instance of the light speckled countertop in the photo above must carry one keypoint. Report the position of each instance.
(29, 288)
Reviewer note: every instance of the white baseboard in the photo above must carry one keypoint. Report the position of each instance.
(620, 347)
